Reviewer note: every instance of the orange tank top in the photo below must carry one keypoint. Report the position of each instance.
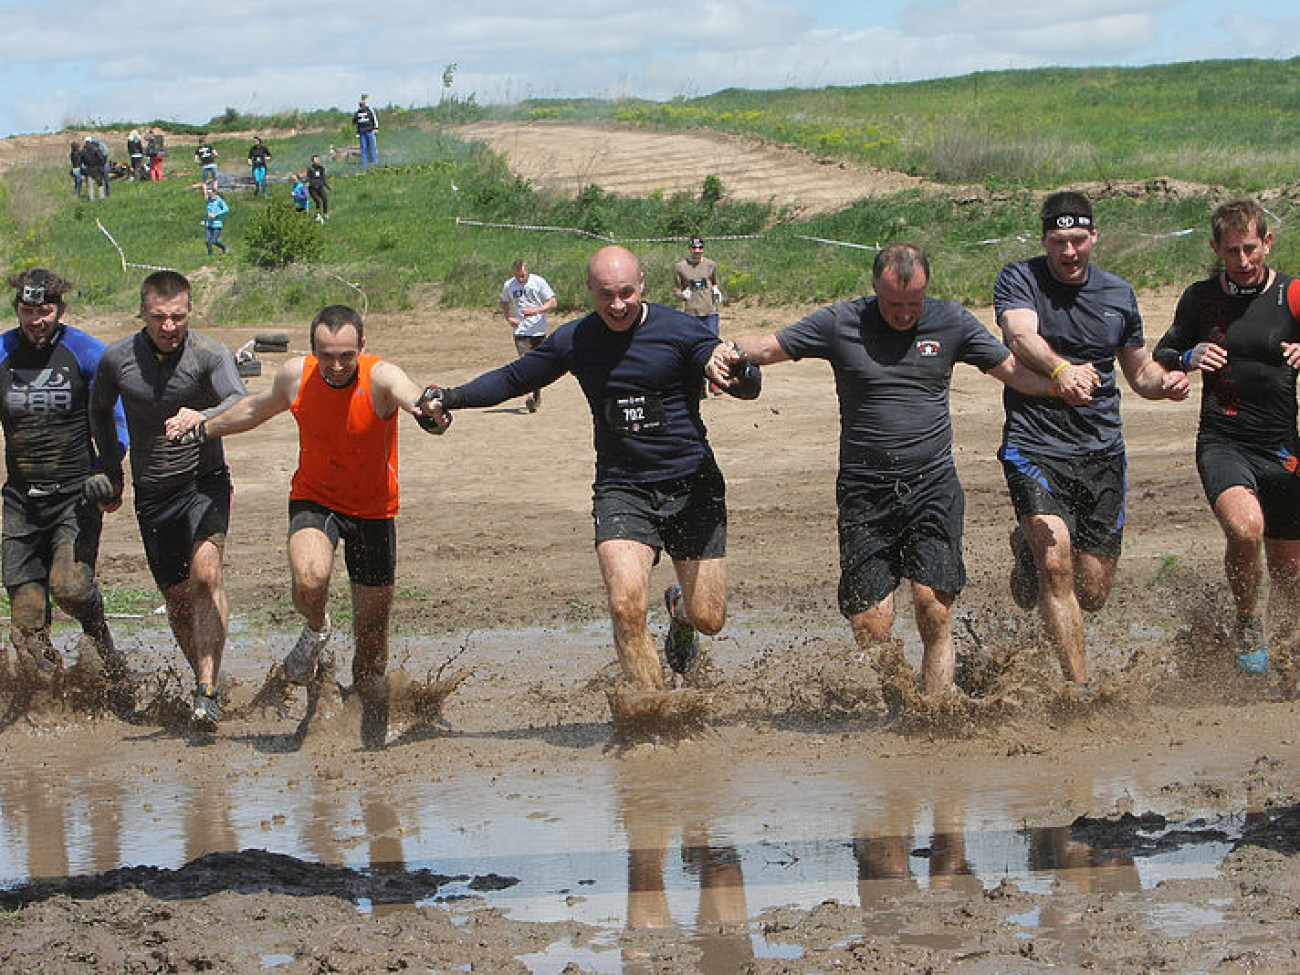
(347, 455)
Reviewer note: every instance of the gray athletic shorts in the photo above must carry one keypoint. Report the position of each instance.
(685, 517)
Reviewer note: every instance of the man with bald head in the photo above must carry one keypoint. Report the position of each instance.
(658, 488)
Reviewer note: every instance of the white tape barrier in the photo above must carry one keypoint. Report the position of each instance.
(122, 254)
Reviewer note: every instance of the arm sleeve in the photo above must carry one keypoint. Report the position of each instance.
(226, 384)
(104, 414)
(1181, 335)
(808, 336)
(538, 368)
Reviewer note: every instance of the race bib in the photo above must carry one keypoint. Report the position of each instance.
(643, 413)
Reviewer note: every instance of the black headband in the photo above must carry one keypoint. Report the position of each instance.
(1065, 221)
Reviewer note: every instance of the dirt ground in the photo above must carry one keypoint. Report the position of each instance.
(498, 587)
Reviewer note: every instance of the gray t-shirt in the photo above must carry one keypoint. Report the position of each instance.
(201, 375)
(1084, 323)
(893, 386)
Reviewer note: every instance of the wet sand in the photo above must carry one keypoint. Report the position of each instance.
(801, 827)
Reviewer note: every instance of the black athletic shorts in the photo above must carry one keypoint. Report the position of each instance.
(370, 544)
(1086, 492)
(37, 524)
(1273, 475)
(173, 524)
(685, 517)
(893, 529)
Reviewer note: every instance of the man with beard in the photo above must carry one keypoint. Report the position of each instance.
(54, 495)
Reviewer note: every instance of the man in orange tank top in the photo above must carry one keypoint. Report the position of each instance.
(346, 403)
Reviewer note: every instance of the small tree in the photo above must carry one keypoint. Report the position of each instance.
(279, 235)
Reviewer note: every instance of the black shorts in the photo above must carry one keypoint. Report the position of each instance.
(37, 525)
(893, 529)
(685, 517)
(173, 524)
(370, 544)
(1085, 492)
(1273, 475)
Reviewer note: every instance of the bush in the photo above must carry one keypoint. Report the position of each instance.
(279, 235)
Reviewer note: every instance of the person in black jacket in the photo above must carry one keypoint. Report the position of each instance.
(317, 185)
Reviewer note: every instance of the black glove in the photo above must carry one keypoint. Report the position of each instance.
(749, 379)
(427, 423)
(99, 489)
(195, 434)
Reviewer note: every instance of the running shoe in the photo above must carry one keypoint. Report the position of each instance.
(682, 644)
(1252, 653)
(206, 712)
(304, 659)
(1024, 574)
(533, 402)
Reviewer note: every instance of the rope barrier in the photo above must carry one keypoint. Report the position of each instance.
(122, 254)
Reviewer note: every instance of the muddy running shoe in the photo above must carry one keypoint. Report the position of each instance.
(304, 659)
(1252, 653)
(682, 644)
(206, 713)
(533, 402)
(1024, 574)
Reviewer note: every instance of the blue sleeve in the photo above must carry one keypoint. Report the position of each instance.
(88, 350)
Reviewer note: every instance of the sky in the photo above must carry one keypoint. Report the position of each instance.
(69, 62)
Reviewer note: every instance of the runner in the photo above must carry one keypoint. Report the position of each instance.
(1065, 465)
(1240, 328)
(182, 492)
(346, 404)
(658, 487)
(901, 506)
(54, 498)
(525, 300)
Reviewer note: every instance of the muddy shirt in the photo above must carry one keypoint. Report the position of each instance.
(1252, 399)
(654, 370)
(201, 375)
(700, 278)
(893, 386)
(1085, 323)
(46, 395)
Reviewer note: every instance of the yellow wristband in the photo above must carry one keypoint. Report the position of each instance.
(1058, 370)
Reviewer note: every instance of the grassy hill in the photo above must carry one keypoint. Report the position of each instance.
(1228, 125)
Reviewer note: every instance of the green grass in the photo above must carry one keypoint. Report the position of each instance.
(394, 229)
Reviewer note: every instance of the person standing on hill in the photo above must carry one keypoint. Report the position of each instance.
(214, 214)
(525, 300)
(366, 123)
(135, 152)
(1065, 464)
(258, 157)
(1240, 328)
(318, 187)
(155, 150)
(95, 167)
(206, 156)
(74, 163)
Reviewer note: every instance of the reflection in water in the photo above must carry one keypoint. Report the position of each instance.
(655, 849)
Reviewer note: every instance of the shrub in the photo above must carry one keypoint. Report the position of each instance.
(279, 235)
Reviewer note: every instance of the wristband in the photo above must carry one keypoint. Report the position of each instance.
(1186, 359)
(1058, 370)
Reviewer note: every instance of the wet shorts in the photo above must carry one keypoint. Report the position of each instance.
(370, 544)
(1273, 475)
(892, 529)
(36, 525)
(1086, 492)
(174, 523)
(685, 517)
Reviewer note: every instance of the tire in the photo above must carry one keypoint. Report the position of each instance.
(271, 342)
(250, 367)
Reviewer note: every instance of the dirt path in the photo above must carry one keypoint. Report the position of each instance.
(634, 162)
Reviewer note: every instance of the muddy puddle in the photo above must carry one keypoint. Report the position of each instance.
(731, 845)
